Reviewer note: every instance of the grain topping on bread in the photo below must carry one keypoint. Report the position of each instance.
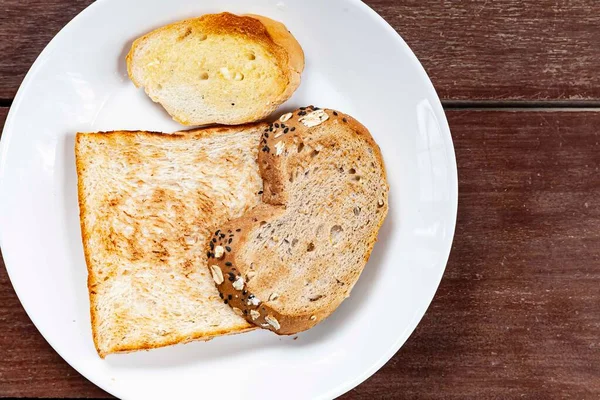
(288, 263)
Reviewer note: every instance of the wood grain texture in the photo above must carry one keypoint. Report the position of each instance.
(28, 365)
(517, 314)
(472, 49)
(503, 49)
(26, 27)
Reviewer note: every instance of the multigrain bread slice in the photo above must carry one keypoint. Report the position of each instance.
(288, 264)
(218, 68)
(149, 203)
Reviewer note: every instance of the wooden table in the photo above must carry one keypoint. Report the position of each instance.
(517, 314)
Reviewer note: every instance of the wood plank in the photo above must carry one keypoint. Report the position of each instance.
(28, 365)
(26, 27)
(500, 50)
(472, 49)
(517, 314)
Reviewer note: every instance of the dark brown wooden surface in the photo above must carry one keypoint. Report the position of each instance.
(517, 315)
(473, 49)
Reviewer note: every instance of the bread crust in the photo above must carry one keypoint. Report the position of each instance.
(271, 34)
(235, 270)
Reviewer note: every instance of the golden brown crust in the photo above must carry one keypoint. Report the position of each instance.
(84, 233)
(290, 131)
(271, 34)
(181, 339)
(282, 37)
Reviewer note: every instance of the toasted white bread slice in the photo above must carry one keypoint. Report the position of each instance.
(218, 68)
(149, 204)
(288, 264)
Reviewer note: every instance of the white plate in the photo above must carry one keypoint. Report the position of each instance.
(355, 63)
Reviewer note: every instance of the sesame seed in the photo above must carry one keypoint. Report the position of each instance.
(217, 232)
(276, 125)
(344, 119)
(225, 301)
(208, 254)
(214, 240)
(260, 192)
(228, 248)
(239, 229)
(229, 241)
(222, 235)
(228, 263)
(293, 128)
(267, 135)
(229, 297)
(286, 130)
(220, 295)
(335, 113)
(283, 125)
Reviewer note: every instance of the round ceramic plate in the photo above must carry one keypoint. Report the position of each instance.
(356, 63)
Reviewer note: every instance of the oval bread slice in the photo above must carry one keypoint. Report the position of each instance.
(218, 68)
(288, 263)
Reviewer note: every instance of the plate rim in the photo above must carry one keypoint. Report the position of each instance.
(451, 163)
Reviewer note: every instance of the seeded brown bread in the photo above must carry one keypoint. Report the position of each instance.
(218, 68)
(289, 263)
(149, 203)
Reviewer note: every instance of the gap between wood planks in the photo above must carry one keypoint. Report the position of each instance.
(494, 105)
(523, 105)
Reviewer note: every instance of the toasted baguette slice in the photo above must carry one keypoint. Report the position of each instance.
(219, 68)
(289, 263)
(149, 203)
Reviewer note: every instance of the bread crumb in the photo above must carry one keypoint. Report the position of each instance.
(279, 146)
